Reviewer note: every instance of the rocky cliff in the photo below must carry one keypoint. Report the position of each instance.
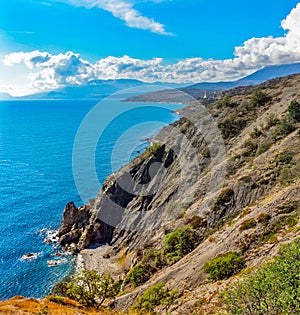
(229, 171)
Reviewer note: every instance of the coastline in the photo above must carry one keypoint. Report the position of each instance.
(102, 258)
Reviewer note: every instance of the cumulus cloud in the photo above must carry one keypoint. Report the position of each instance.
(47, 71)
(125, 11)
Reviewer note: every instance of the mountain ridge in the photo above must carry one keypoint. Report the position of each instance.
(100, 88)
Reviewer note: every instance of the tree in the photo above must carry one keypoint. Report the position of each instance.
(91, 288)
(179, 243)
(294, 110)
(155, 296)
(258, 98)
(224, 266)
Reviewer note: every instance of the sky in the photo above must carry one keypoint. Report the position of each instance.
(49, 44)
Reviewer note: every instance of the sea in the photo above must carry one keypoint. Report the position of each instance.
(36, 176)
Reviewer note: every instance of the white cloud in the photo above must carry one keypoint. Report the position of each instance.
(125, 11)
(47, 71)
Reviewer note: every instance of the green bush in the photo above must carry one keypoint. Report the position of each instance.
(179, 243)
(154, 147)
(91, 288)
(154, 258)
(60, 287)
(224, 266)
(273, 289)
(259, 98)
(139, 274)
(224, 197)
(284, 127)
(294, 110)
(271, 120)
(231, 126)
(155, 296)
(284, 158)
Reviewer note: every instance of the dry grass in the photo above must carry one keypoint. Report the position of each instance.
(20, 306)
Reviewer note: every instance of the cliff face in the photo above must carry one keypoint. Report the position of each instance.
(248, 174)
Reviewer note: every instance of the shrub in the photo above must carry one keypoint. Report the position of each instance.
(272, 289)
(264, 145)
(154, 258)
(179, 243)
(284, 158)
(224, 197)
(91, 288)
(155, 146)
(226, 101)
(272, 120)
(256, 133)
(224, 266)
(231, 126)
(250, 148)
(258, 98)
(294, 110)
(60, 287)
(284, 127)
(139, 274)
(263, 218)
(248, 224)
(155, 296)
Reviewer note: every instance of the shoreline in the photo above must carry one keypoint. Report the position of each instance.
(97, 258)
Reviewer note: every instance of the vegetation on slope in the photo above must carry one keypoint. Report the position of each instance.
(272, 289)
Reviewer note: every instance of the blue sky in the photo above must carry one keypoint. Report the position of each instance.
(47, 44)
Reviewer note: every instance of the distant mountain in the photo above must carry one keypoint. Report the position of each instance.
(257, 77)
(94, 89)
(5, 96)
(97, 89)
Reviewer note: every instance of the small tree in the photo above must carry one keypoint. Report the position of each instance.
(179, 243)
(224, 266)
(91, 288)
(155, 296)
(139, 274)
(258, 98)
(294, 110)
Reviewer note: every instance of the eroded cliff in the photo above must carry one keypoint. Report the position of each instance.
(230, 172)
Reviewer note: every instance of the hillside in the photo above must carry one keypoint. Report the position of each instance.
(223, 181)
(209, 90)
(234, 188)
(255, 78)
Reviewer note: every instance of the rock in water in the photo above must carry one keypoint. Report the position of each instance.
(75, 220)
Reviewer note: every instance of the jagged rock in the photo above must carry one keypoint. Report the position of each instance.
(74, 223)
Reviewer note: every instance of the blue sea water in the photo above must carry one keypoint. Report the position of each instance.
(36, 179)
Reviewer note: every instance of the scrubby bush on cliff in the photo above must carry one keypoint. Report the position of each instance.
(91, 288)
(272, 289)
(179, 243)
(294, 110)
(152, 261)
(224, 266)
(223, 198)
(284, 127)
(139, 274)
(153, 297)
(258, 98)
